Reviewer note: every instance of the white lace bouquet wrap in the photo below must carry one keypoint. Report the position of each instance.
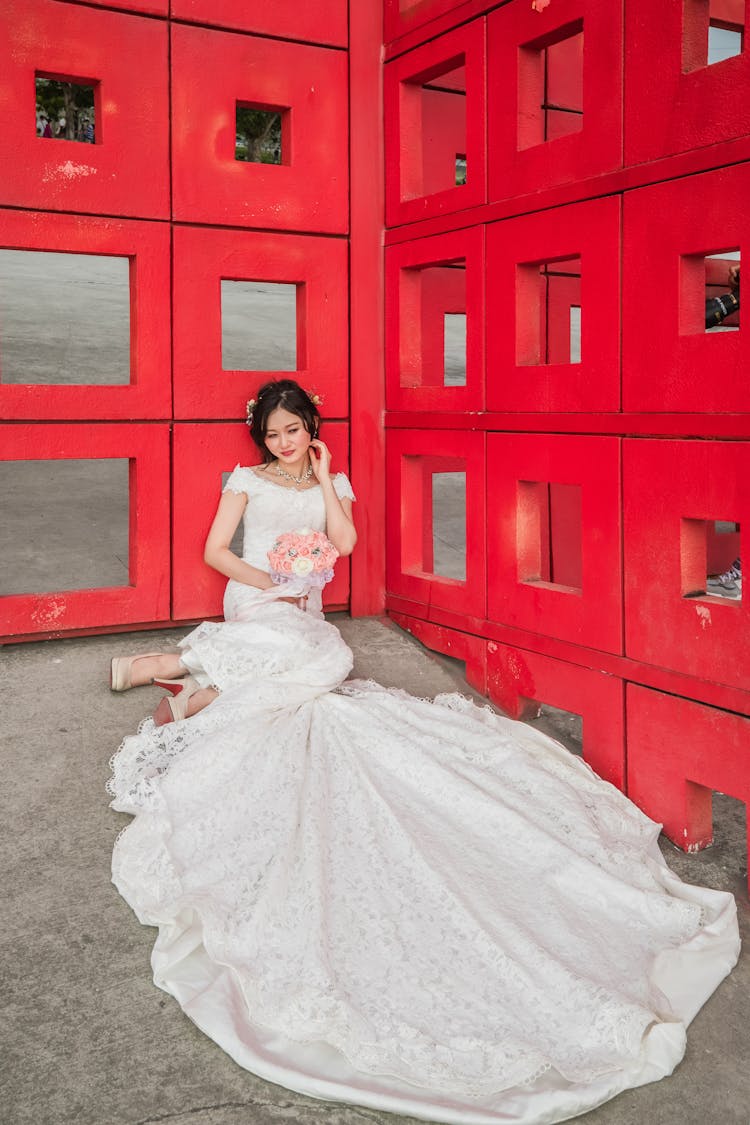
(302, 560)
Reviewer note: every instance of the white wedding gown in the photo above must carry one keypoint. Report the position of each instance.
(419, 907)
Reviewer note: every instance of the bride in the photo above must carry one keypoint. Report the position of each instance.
(367, 897)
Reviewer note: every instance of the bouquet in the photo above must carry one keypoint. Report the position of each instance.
(302, 555)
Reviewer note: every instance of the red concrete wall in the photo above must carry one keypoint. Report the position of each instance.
(592, 483)
(161, 186)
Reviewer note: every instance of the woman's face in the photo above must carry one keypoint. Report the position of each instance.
(286, 436)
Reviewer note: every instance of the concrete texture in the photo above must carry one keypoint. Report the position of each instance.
(66, 318)
(86, 1038)
(454, 349)
(259, 326)
(449, 525)
(64, 525)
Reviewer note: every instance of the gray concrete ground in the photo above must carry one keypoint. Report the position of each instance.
(86, 1038)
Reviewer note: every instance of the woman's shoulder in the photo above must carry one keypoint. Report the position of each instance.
(342, 487)
(242, 478)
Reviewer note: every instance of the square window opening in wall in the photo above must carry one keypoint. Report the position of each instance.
(66, 524)
(549, 535)
(65, 318)
(261, 133)
(550, 87)
(433, 533)
(564, 726)
(575, 333)
(548, 312)
(259, 326)
(709, 292)
(713, 32)
(438, 159)
(449, 525)
(711, 560)
(454, 349)
(433, 325)
(66, 108)
(722, 274)
(724, 41)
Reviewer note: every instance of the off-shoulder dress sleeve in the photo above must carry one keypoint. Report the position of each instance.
(342, 487)
(239, 480)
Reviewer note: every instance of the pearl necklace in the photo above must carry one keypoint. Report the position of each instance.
(295, 480)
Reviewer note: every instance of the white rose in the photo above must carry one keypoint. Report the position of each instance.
(302, 566)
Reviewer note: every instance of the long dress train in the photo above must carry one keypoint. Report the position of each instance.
(416, 906)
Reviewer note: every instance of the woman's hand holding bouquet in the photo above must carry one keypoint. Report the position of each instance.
(301, 561)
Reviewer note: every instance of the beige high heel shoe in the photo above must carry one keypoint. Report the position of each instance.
(174, 706)
(121, 670)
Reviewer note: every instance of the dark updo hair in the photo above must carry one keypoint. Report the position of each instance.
(283, 394)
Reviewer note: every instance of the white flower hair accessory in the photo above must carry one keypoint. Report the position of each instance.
(252, 403)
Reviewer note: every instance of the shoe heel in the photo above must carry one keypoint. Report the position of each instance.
(177, 701)
(174, 687)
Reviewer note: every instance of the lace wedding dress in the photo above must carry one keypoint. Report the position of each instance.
(419, 907)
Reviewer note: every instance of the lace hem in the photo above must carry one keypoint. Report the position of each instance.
(494, 1065)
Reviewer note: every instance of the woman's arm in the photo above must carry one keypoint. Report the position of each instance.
(217, 553)
(339, 524)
